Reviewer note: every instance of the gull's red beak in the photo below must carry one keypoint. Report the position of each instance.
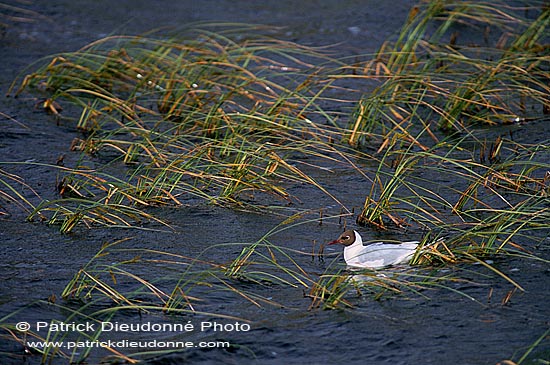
(335, 242)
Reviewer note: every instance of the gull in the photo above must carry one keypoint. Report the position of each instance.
(375, 255)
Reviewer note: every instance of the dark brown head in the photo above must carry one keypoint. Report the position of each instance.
(346, 239)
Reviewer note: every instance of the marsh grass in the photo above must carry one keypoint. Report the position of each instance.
(207, 118)
(122, 280)
(11, 191)
(89, 196)
(113, 274)
(514, 181)
(437, 265)
(533, 347)
(428, 76)
(486, 191)
(484, 209)
(237, 122)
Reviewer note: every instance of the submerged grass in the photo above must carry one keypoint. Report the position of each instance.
(17, 12)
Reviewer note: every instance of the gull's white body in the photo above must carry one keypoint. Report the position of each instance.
(376, 255)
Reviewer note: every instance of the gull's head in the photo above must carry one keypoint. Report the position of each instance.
(347, 238)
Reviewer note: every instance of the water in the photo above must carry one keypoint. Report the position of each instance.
(438, 326)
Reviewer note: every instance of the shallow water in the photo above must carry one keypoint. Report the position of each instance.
(37, 262)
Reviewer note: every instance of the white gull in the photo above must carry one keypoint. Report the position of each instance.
(375, 255)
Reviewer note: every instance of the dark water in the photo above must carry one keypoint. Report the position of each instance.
(37, 262)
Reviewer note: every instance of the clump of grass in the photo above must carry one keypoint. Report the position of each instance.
(261, 260)
(96, 198)
(515, 177)
(113, 274)
(488, 201)
(486, 205)
(429, 76)
(205, 118)
(122, 279)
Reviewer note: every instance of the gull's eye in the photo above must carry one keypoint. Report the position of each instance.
(346, 238)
